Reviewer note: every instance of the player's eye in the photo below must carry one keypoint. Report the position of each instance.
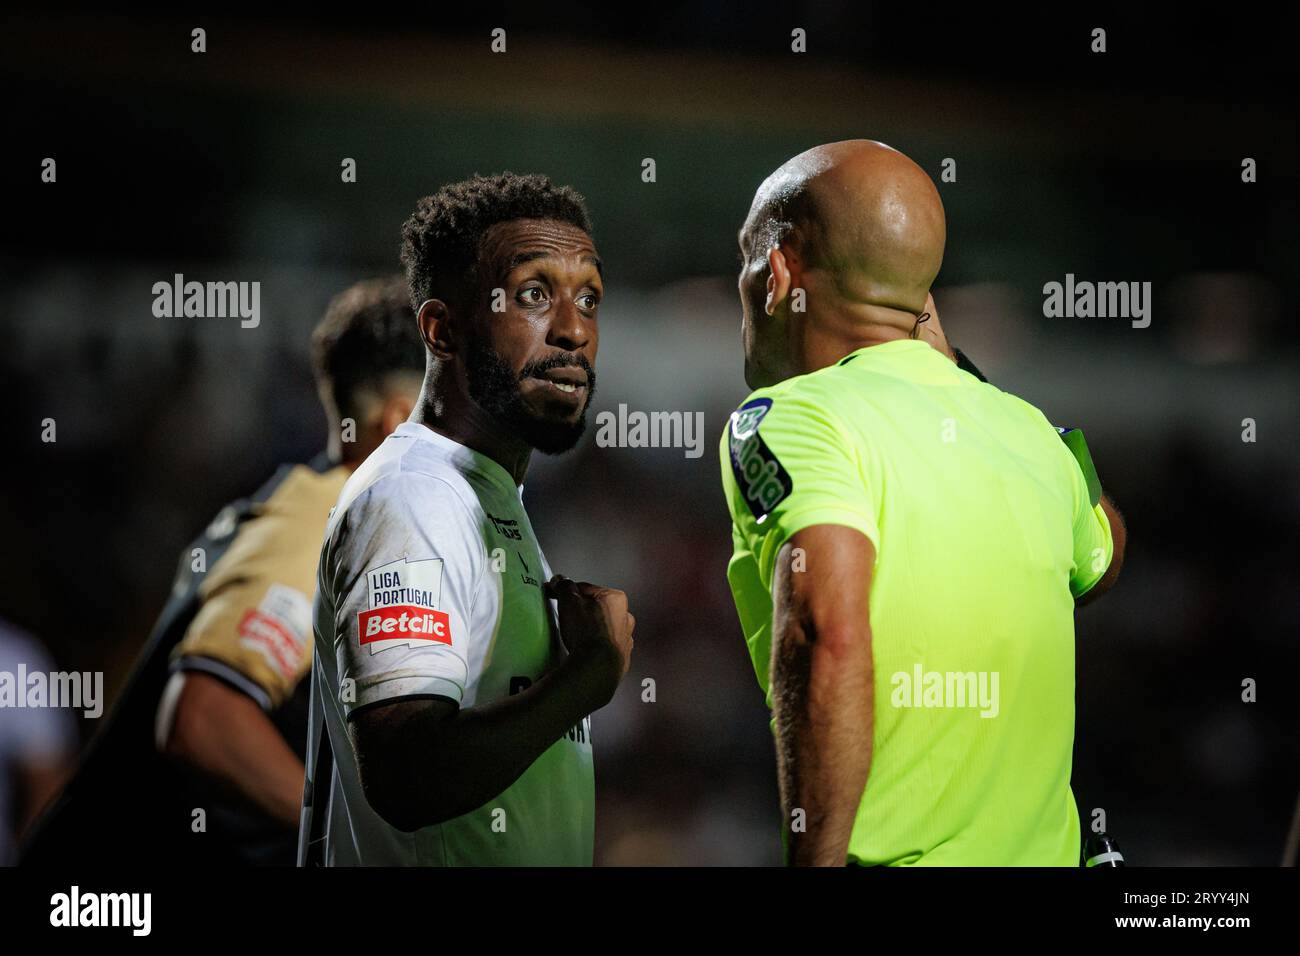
(533, 295)
(588, 300)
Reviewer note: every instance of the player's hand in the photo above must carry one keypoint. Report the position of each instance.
(596, 628)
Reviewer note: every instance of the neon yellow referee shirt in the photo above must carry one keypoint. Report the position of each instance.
(984, 536)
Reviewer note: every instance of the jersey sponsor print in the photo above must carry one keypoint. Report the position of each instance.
(762, 479)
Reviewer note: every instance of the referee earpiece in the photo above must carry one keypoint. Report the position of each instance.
(924, 316)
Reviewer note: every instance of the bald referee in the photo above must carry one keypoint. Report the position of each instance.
(910, 542)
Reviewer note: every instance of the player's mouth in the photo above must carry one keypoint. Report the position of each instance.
(568, 381)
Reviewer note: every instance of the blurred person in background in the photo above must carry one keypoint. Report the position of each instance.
(202, 759)
(897, 520)
(38, 745)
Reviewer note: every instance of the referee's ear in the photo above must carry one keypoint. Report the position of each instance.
(434, 320)
(778, 280)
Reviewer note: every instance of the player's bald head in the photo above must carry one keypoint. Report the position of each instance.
(861, 211)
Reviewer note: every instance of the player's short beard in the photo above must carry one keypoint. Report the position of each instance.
(494, 387)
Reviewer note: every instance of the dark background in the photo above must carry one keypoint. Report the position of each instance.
(1123, 166)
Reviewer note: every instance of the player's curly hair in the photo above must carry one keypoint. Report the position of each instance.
(368, 334)
(440, 241)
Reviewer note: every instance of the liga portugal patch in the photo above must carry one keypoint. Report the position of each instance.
(402, 601)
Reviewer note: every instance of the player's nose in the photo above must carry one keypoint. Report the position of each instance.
(569, 328)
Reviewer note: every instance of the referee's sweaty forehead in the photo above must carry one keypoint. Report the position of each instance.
(862, 211)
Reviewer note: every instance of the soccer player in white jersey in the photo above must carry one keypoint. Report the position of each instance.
(454, 676)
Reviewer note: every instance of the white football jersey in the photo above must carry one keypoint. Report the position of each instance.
(430, 585)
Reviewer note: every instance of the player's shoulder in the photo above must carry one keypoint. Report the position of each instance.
(299, 502)
(272, 535)
(408, 477)
(305, 487)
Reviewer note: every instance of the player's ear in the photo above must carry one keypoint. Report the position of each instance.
(434, 319)
(778, 280)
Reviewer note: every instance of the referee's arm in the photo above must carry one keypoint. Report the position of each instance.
(1119, 537)
(823, 692)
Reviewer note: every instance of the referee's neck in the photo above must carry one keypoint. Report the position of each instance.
(827, 342)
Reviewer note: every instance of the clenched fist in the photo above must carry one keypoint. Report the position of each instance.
(596, 628)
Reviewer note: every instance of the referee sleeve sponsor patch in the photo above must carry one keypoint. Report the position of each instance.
(762, 479)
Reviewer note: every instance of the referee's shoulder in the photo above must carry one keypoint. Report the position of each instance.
(800, 396)
(813, 387)
(829, 391)
(1027, 410)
